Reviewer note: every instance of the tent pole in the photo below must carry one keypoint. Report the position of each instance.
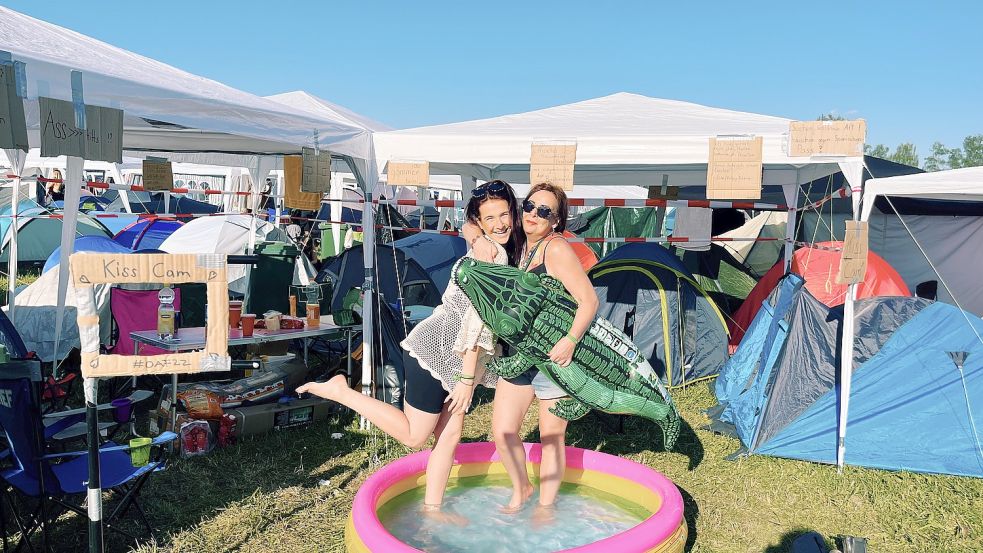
(853, 171)
(791, 192)
(17, 161)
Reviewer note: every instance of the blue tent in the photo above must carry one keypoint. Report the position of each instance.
(147, 233)
(436, 253)
(147, 202)
(912, 406)
(648, 293)
(95, 244)
(10, 338)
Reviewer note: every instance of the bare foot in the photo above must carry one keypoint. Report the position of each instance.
(542, 515)
(433, 512)
(332, 389)
(515, 504)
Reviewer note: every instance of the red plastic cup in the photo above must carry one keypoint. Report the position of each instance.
(235, 313)
(248, 323)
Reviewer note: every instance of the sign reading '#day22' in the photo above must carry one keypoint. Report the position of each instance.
(101, 140)
(13, 128)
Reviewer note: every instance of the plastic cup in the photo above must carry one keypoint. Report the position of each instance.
(140, 451)
(235, 313)
(248, 323)
(122, 409)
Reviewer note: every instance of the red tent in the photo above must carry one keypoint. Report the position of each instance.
(586, 255)
(818, 265)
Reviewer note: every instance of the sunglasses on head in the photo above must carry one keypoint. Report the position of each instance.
(494, 188)
(542, 211)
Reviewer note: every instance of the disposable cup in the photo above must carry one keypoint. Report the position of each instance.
(122, 408)
(140, 451)
(248, 322)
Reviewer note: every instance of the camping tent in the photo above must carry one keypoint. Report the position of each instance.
(758, 256)
(818, 265)
(38, 237)
(615, 222)
(399, 277)
(915, 391)
(230, 234)
(436, 254)
(646, 291)
(94, 244)
(147, 233)
(725, 278)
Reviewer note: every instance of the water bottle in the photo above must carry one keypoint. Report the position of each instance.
(165, 313)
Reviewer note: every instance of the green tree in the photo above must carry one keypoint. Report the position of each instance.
(905, 153)
(970, 155)
(830, 117)
(879, 150)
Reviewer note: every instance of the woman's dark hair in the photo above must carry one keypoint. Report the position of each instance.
(562, 204)
(499, 190)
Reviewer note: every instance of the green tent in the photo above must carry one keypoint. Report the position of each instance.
(615, 222)
(38, 237)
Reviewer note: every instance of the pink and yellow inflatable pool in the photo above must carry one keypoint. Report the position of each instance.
(663, 531)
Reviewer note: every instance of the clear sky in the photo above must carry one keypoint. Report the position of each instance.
(914, 71)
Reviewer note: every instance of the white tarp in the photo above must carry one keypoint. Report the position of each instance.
(624, 139)
(165, 108)
(310, 103)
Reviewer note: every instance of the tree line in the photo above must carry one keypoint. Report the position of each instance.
(970, 154)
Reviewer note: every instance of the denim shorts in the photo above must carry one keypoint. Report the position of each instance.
(541, 384)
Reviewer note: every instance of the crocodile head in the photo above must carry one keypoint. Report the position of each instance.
(506, 299)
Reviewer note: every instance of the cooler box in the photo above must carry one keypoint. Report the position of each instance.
(271, 278)
(260, 419)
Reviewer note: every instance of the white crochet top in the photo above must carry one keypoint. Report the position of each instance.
(440, 341)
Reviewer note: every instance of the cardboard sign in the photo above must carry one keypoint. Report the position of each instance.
(827, 138)
(293, 196)
(100, 141)
(408, 173)
(13, 127)
(553, 163)
(734, 169)
(157, 175)
(89, 269)
(317, 171)
(853, 258)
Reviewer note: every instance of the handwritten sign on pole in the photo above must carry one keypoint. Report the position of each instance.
(293, 196)
(553, 162)
(408, 173)
(734, 168)
(13, 127)
(157, 174)
(827, 138)
(317, 171)
(101, 140)
(89, 269)
(853, 258)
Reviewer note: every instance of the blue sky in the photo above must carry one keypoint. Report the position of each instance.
(913, 70)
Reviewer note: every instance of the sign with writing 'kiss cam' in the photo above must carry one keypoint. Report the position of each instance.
(100, 140)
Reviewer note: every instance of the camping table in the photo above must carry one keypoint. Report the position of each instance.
(189, 339)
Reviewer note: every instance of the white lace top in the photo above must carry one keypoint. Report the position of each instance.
(440, 341)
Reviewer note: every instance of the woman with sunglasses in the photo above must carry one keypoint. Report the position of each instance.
(446, 355)
(545, 251)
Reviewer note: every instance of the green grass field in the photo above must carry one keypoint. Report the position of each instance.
(292, 490)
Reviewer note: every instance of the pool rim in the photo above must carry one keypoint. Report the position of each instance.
(660, 527)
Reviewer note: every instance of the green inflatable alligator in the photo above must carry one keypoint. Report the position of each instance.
(532, 313)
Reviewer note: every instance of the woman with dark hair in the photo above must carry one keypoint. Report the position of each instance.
(545, 252)
(447, 354)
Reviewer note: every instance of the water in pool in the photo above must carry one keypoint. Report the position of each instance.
(582, 515)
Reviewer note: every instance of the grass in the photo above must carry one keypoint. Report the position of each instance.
(292, 490)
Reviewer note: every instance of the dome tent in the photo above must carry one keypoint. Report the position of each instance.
(645, 290)
(147, 233)
(39, 234)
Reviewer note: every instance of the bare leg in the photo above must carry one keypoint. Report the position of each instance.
(552, 434)
(410, 426)
(511, 404)
(448, 433)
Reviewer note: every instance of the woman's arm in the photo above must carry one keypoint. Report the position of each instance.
(482, 249)
(564, 265)
(460, 397)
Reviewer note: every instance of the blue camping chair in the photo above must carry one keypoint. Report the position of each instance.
(52, 479)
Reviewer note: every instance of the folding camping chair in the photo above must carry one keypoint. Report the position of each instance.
(35, 473)
(134, 310)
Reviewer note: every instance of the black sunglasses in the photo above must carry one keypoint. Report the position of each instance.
(542, 211)
(495, 188)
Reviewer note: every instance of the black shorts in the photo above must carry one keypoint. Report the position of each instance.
(420, 388)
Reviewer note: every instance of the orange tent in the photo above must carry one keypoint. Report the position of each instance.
(818, 265)
(583, 251)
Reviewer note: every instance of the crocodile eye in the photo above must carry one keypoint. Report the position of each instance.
(508, 329)
(530, 279)
(464, 280)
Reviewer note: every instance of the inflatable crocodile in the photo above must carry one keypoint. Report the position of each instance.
(532, 313)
